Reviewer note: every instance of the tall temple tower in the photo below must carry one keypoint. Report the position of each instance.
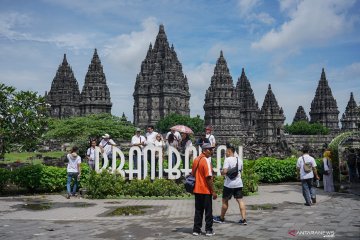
(350, 120)
(324, 107)
(95, 95)
(64, 95)
(221, 102)
(270, 126)
(249, 109)
(300, 115)
(161, 87)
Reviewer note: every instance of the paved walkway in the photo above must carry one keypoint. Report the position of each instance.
(335, 216)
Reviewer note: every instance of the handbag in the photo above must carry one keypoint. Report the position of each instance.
(307, 166)
(190, 180)
(232, 173)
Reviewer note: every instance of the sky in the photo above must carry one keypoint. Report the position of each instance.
(284, 43)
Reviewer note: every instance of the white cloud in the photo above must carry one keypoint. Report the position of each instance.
(247, 10)
(11, 20)
(313, 22)
(127, 51)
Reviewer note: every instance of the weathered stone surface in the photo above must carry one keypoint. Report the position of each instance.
(350, 120)
(64, 95)
(95, 95)
(324, 107)
(300, 115)
(161, 87)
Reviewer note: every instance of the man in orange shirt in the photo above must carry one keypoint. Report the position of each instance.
(203, 190)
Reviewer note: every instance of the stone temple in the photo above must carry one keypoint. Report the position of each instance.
(161, 87)
(65, 98)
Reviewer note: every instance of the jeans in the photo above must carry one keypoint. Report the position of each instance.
(203, 202)
(308, 190)
(70, 176)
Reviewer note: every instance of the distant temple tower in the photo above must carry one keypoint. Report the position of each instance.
(350, 120)
(300, 115)
(161, 87)
(324, 107)
(270, 125)
(249, 109)
(221, 102)
(64, 95)
(95, 95)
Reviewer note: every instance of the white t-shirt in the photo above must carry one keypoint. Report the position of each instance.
(72, 166)
(300, 164)
(91, 153)
(150, 138)
(138, 139)
(107, 145)
(211, 139)
(230, 162)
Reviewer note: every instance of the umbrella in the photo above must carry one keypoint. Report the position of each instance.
(182, 129)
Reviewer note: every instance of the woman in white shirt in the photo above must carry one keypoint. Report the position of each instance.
(73, 171)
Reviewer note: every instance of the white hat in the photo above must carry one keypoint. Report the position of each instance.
(106, 136)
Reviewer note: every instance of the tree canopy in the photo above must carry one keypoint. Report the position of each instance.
(305, 128)
(195, 123)
(23, 119)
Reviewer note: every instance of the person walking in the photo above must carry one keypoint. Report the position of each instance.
(73, 171)
(306, 169)
(232, 187)
(328, 172)
(204, 191)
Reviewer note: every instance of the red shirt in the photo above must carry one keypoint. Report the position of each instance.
(203, 171)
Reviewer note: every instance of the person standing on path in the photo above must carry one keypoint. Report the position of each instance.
(328, 172)
(306, 169)
(73, 171)
(204, 191)
(232, 187)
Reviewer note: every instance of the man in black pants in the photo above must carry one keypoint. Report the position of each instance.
(204, 191)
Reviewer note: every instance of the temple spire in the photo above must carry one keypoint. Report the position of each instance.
(350, 120)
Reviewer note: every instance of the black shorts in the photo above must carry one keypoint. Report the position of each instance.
(229, 192)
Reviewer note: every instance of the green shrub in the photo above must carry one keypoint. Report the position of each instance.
(305, 128)
(4, 178)
(104, 184)
(52, 179)
(28, 177)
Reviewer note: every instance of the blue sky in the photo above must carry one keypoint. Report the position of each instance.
(282, 43)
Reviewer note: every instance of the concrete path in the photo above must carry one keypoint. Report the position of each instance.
(281, 215)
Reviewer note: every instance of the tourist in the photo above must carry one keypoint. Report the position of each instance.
(232, 187)
(328, 172)
(210, 136)
(150, 140)
(184, 143)
(175, 144)
(90, 154)
(176, 134)
(351, 162)
(200, 141)
(306, 169)
(139, 141)
(73, 171)
(204, 191)
(159, 142)
(106, 145)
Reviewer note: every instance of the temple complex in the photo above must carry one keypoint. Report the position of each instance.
(161, 87)
(350, 119)
(300, 115)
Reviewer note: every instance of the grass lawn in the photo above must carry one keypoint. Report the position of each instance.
(24, 156)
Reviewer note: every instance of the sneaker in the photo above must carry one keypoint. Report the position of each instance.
(307, 204)
(218, 219)
(243, 222)
(313, 200)
(196, 233)
(210, 233)
(68, 196)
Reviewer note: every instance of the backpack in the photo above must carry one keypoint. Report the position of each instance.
(232, 173)
(190, 180)
(307, 166)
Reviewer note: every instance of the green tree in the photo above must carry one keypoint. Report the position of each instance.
(305, 128)
(195, 123)
(78, 130)
(23, 119)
